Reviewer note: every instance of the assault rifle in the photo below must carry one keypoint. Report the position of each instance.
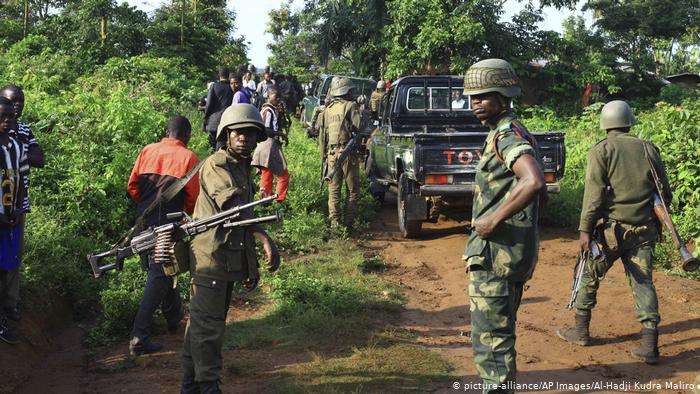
(582, 262)
(343, 156)
(162, 238)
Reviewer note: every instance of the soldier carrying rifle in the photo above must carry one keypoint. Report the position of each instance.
(617, 202)
(338, 124)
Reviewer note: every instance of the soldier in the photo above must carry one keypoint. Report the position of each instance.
(376, 99)
(221, 257)
(337, 124)
(617, 203)
(501, 252)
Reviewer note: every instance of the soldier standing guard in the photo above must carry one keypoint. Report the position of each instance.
(501, 252)
(337, 124)
(221, 256)
(617, 201)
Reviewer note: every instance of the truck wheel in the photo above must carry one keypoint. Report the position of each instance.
(409, 228)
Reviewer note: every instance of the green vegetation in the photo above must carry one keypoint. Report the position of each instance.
(327, 304)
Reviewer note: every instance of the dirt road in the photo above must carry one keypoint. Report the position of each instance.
(432, 271)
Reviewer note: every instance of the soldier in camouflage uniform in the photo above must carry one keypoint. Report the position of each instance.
(337, 124)
(222, 256)
(502, 250)
(617, 202)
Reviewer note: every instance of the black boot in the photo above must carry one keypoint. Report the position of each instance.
(579, 333)
(209, 387)
(189, 386)
(649, 349)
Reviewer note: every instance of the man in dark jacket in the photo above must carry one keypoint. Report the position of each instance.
(219, 98)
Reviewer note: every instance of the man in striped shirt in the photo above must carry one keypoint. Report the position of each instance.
(13, 168)
(35, 157)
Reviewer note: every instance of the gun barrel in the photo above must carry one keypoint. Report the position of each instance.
(202, 225)
(277, 217)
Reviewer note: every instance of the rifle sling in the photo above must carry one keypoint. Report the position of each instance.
(168, 194)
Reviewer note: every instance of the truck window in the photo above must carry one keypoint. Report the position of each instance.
(439, 99)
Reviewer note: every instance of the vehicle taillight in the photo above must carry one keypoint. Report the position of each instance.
(549, 177)
(438, 179)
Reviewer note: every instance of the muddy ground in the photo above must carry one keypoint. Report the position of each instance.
(53, 361)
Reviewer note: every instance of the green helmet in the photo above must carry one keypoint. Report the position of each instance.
(492, 75)
(341, 86)
(381, 85)
(616, 114)
(239, 116)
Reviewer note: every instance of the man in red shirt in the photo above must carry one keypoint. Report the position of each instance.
(156, 168)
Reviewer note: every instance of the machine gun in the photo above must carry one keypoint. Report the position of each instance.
(582, 262)
(343, 156)
(162, 238)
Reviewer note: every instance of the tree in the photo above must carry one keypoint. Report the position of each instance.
(198, 31)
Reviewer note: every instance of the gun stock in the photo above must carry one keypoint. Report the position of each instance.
(119, 255)
(690, 262)
(579, 269)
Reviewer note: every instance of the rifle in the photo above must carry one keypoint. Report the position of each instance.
(581, 263)
(162, 238)
(324, 171)
(341, 159)
(690, 263)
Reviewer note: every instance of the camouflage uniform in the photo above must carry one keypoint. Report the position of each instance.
(500, 265)
(619, 189)
(337, 123)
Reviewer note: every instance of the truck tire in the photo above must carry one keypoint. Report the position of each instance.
(409, 228)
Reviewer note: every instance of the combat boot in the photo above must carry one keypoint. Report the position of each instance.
(209, 387)
(189, 385)
(648, 351)
(579, 333)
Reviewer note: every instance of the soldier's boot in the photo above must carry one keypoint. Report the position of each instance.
(189, 386)
(648, 351)
(579, 333)
(209, 387)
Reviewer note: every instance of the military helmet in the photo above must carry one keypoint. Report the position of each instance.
(239, 116)
(381, 85)
(341, 86)
(616, 114)
(492, 75)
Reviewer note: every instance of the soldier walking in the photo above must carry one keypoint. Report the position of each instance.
(617, 202)
(338, 123)
(221, 256)
(376, 99)
(501, 252)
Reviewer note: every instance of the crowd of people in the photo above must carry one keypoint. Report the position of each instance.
(248, 121)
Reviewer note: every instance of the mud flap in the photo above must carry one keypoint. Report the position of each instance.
(416, 207)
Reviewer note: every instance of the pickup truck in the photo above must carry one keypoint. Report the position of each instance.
(316, 95)
(428, 144)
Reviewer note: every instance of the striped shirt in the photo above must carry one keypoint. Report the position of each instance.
(25, 137)
(13, 166)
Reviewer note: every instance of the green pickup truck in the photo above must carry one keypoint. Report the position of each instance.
(316, 95)
(428, 145)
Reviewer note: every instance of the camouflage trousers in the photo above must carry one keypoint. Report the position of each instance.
(494, 306)
(634, 245)
(349, 173)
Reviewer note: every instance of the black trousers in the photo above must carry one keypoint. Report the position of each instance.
(159, 292)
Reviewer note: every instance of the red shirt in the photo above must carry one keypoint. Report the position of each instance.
(157, 167)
